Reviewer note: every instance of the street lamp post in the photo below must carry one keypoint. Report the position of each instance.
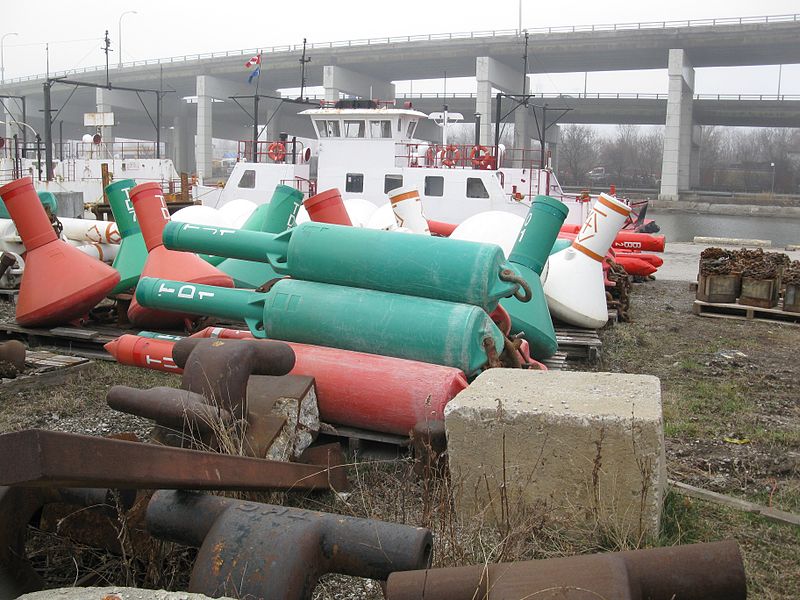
(119, 31)
(772, 191)
(2, 58)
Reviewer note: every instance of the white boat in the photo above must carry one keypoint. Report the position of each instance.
(367, 151)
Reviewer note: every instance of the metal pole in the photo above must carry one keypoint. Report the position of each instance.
(497, 116)
(772, 191)
(2, 56)
(542, 136)
(61, 140)
(255, 128)
(24, 120)
(158, 125)
(48, 133)
(107, 49)
(780, 70)
(477, 129)
(39, 156)
(119, 39)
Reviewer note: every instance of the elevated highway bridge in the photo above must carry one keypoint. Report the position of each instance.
(196, 104)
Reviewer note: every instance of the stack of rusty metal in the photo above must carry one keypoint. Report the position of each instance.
(235, 412)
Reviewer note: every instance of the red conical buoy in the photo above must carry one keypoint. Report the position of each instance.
(60, 283)
(152, 214)
(328, 207)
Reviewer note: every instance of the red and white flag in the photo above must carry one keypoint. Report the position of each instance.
(256, 60)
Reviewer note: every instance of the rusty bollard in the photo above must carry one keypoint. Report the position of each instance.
(18, 506)
(12, 358)
(693, 572)
(254, 550)
(220, 369)
(178, 409)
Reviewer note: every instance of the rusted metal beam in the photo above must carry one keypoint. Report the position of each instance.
(18, 506)
(253, 550)
(53, 458)
(693, 572)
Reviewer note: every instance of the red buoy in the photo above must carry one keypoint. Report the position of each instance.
(368, 391)
(60, 283)
(327, 207)
(150, 353)
(152, 214)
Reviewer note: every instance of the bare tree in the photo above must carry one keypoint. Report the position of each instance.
(578, 152)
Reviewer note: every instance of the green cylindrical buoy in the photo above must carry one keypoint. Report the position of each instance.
(283, 207)
(560, 245)
(529, 255)
(421, 329)
(279, 216)
(538, 233)
(414, 265)
(132, 252)
(155, 335)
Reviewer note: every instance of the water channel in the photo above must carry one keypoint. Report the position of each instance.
(683, 227)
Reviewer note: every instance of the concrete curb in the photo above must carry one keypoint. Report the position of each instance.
(124, 593)
(721, 241)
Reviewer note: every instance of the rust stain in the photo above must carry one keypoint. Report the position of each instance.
(217, 560)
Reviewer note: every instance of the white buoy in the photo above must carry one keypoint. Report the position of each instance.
(407, 208)
(382, 218)
(491, 227)
(86, 230)
(102, 252)
(198, 215)
(573, 280)
(9, 238)
(236, 212)
(359, 211)
(302, 216)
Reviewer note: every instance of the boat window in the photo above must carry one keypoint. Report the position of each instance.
(392, 182)
(380, 129)
(321, 129)
(434, 186)
(248, 179)
(476, 188)
(412, 125)
(354, 129)
(354, 182)
(331, 129)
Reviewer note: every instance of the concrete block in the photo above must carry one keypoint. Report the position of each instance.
(585, 449)
(123, 593)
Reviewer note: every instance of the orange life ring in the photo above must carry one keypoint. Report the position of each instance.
(276, 151)
(478, 156)
(451, 155)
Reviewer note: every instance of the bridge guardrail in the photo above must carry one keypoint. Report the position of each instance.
(790, 18)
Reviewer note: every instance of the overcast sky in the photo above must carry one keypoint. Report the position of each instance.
(165, 28)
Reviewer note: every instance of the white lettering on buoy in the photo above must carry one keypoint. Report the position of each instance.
(524, 227)
(167, 290)
(188, 291)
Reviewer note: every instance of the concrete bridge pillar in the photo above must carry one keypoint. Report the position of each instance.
(181, 147)
(676, 164)
(489, 74)
(208, 89)
(338, 80)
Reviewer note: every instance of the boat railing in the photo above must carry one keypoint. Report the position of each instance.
(291, 152)
(306, 186)
(465, 156)
(113, 150)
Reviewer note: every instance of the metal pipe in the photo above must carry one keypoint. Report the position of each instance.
(712, 571)
(243, 545)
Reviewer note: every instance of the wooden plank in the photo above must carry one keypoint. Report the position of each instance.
(773, 514)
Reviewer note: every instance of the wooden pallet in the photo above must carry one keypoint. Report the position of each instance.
(745, 313)
(44, 368)
(8, 295)
(557, 362)
(81, 341)
(578, 344)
